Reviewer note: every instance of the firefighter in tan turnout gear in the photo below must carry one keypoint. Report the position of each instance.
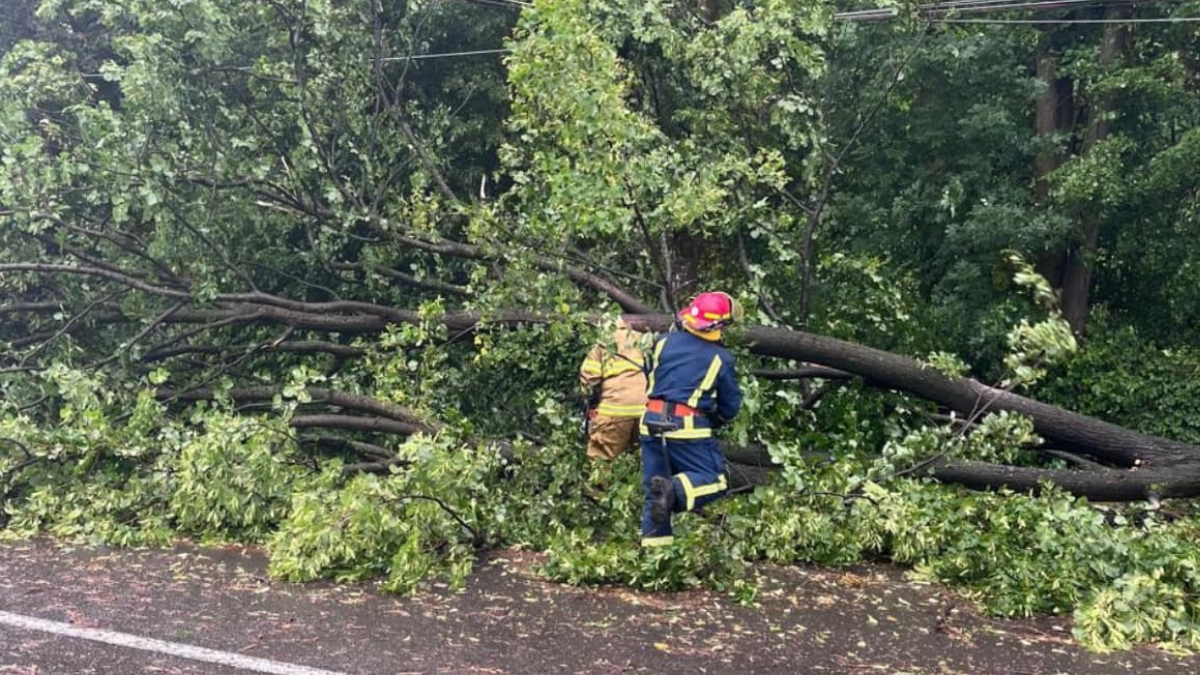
(612, 373)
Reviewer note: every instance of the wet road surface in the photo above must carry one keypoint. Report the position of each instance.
(159, 611)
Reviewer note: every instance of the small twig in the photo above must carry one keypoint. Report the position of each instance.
(30, 406)
(24, 448)
(158, 321)
(453, 514)
(663, 273)
(750, 276)
(254, 349)
(241, 318)
(69, 324)
(332, 293)
(12, 471)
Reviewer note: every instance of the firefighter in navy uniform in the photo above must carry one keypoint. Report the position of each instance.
(692, 390)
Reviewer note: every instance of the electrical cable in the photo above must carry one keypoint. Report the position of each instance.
(985, 6)
(1175, 19)
(1000, 6)
(507, 4)
(444, 55)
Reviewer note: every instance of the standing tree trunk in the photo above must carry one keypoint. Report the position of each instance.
(687, 252)
(1051, 120)
(1080, 260)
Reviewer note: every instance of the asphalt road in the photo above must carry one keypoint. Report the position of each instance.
(213, 611)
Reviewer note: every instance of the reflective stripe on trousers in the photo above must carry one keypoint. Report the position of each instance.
(699, 478)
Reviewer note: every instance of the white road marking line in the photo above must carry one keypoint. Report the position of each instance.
(161, 646)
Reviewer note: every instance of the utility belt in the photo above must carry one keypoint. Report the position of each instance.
(668, 419)
(671, 408)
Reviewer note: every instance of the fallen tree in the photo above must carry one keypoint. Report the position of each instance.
(1141, 465)
(1128, 465)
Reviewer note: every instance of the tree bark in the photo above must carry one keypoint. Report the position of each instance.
(1109, 486)
(747, 470)
(1080, 260)
(1050, 120)
(377, 425)
(806, 373)
(1100, 440)
(1077, 433)
(1053, 117)
(1149, 465)
(1104, 441)
(320, 396)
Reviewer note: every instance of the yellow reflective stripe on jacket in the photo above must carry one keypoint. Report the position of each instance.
(692, 492)
(681, 434)
(607, 367)
(616, 410)
(710, 377)
(657, 353)
(650, 542)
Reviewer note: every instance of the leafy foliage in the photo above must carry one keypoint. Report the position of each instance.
(421, 522)
(1129, 380)
(232, 479)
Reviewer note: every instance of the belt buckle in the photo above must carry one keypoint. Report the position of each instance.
(660, 427)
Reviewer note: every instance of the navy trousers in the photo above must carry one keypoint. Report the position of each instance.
(697, 471)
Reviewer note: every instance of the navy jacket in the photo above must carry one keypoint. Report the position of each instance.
(683, 368)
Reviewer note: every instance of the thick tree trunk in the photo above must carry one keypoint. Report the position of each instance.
(1054, 116)
(1106, 442)
(748, 468)
(1106, 486)
(1149, 464)
(1080, 260)
(1077, 275)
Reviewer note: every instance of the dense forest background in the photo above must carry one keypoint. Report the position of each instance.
(320, 275)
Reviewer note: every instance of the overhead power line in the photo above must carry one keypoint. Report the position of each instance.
(507, 4)
(930, 10)
(444, 55)
(883, 14)
(1176, 19)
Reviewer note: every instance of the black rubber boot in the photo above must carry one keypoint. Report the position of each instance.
(662, 498)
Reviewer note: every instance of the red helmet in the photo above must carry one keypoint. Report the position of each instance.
(710, 311)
